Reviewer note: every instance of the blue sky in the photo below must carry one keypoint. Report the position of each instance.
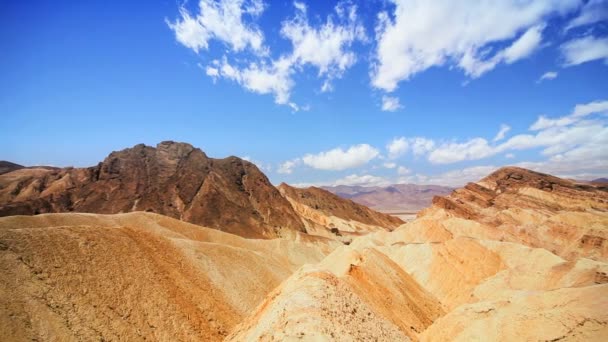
(370, 93)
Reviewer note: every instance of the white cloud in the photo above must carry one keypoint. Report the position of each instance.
(229, 21)
(421, 34)
(327, 47)
(459, 177)
(524, 45)
(390, 103)
(339, 159)
(586, 49)
(580, 111)
(509, 156)
(397, 147)
(288, 166)
(300, 6)
(556, 136)
(350, 180)
(421, 146)
(502, 132)
(402, 171)
(363, 180)
(549, 75)
(553, 140)
(476, 148)
(390, 165)
(212, 72)
(594, 11)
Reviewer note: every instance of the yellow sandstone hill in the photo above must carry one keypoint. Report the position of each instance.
(507, 258)
(135, 276)
(518, 255)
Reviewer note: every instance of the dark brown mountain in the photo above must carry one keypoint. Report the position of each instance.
(173, 179)
(6, 166)
(406, 197)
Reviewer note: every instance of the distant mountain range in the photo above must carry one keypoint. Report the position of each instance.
(398, 197)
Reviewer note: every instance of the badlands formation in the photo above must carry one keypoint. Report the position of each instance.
(518, 255)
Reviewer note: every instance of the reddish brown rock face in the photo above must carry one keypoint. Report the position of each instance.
(173, 179)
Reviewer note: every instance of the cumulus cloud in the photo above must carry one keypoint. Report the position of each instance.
(390, 103)
(586, 49)
(557, 137)
(502, 132)
(402, 171)
(418, 145)
(288, 166)
(397, 147)
(390, 165)
(421, 146)
(228, 21)
(549, 75)
(411, 40)
(339, 159)
(476, 148)
(326, 47)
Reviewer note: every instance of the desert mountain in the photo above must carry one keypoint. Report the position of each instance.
(173, 179)
(326, 214)
(531, 208)
(397, 197)
(6, 166)
(518, 255)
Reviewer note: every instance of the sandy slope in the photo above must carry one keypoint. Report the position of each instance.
(134, 276)
(481, 264)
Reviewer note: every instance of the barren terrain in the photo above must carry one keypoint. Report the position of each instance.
(518, 255)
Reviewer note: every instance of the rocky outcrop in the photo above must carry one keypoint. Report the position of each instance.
(535, 209)
(173, 179)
